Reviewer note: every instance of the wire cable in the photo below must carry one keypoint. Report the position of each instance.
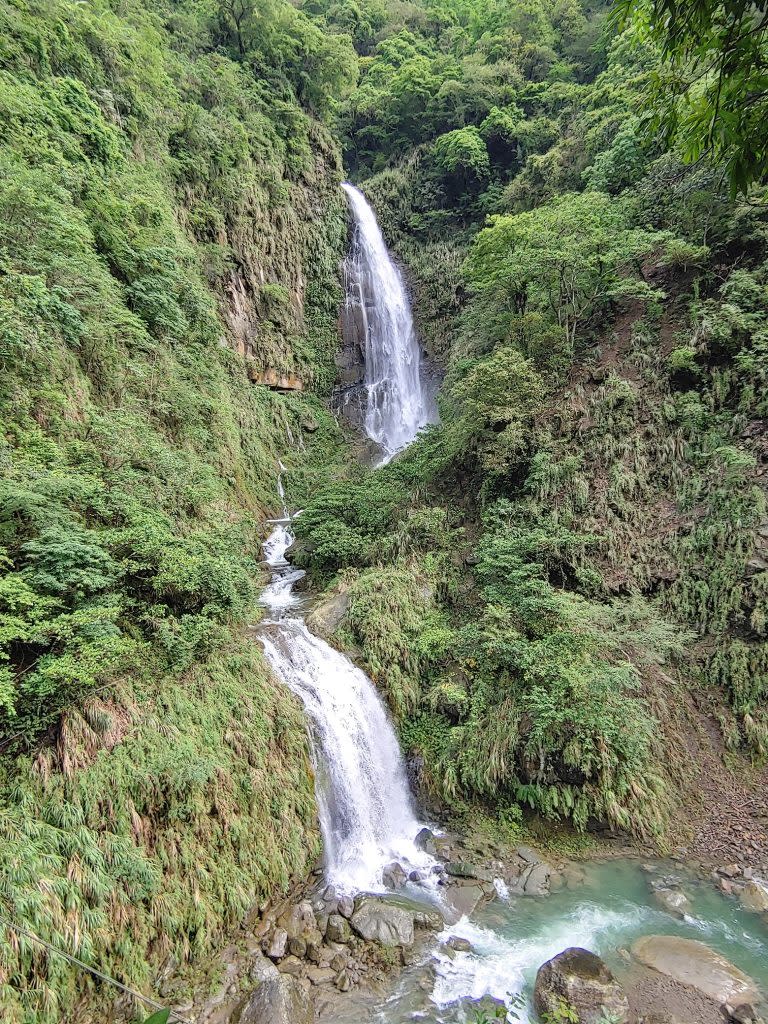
(93, 970)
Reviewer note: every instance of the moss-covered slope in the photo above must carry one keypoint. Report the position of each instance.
(170, 233)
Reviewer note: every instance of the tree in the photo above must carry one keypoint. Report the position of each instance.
(493, 402)
(501, 131)
(710, 94)
(622, 164)
(569, 257)
(285, 46)
(463, 158)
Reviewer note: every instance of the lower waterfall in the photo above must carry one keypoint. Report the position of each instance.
(366, 812)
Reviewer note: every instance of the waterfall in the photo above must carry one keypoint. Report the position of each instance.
(366, 814)
(396, 407)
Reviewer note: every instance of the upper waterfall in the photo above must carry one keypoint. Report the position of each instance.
(396, 405)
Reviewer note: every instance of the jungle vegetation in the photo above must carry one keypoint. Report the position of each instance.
(549, 575)
(572, 555)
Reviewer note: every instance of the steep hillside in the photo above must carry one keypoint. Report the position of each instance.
(170, 232)
(564, 583)
(560, 588)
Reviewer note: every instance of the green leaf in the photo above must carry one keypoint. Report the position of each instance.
(160, 1017)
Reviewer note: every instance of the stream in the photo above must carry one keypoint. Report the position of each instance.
(606, 910)
(367, 815)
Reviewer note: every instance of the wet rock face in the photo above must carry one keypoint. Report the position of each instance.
(425, 840)
(349, 396)
(393, 876)
(279, 999)
(581, 980)
(754, 895)
(328, 614)
(694, 964)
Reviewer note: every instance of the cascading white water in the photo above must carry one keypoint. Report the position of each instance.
(366, 814)
(396, 405)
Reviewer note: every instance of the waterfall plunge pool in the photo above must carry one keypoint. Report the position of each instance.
(610, 907)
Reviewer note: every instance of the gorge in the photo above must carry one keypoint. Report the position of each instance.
(383, 508)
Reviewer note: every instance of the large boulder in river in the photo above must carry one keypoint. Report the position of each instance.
(580, 980)
(391, 920)
(377, 920)
(754, 895)
(425, 840)
(393, 875)
(279, 999)
(696, 965)
(673, 900)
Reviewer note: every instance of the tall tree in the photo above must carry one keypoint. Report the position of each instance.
(711, 89)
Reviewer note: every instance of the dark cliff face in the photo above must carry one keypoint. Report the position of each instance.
(349, 392)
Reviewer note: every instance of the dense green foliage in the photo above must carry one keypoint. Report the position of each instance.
(709, 95)
(170, 225)
(573, 554)
(592, 485)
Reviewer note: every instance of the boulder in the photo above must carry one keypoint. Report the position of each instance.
(378, 920)
(527, 854)
(328, 614)
(673, 901)
(468, 1010)
(342, 981)
(322, 924)
(582, 981)
(277, 946)
(393, 876)
(346, 906)
(425, 840)
(279, 999)
(536, 880)
(458, 944)
(464, 869)
(261, 969)
(696, 965)
(292, 965)
(338, 929)
(462, 900)
(298, 920)
(320, 975)
(428, 918)
(754, 895)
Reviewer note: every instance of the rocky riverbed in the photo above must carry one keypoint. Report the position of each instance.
(467, 935)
